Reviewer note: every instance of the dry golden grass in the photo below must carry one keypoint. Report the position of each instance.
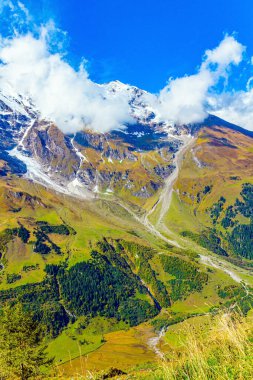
(227, 353)
(122, 350)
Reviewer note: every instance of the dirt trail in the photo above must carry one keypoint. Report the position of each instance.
(165, 197)
(166, 194)
(149, 226)
(217, 263)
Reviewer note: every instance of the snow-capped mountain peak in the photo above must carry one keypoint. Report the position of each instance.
(135, 160)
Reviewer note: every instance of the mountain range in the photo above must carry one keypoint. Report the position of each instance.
(119, 235)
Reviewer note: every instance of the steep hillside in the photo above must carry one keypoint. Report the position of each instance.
(212, 199)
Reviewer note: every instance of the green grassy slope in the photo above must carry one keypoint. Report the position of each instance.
(47, 244)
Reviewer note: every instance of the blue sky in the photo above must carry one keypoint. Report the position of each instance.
(194, 57)
(144, 42)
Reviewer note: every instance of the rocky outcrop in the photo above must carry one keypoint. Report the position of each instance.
(22, 198)
(53, 150)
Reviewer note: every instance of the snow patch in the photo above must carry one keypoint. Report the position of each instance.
(36, 173)
(78, 153)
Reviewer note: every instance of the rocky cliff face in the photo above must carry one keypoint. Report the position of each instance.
(53, 150)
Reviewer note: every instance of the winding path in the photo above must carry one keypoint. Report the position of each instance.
(225, 267)
(165, 196)
(149, 226)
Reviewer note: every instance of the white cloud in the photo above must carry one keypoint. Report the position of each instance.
(70, 99)
(24, 10)
(66, 96)
(15, 17)
(229, 51)
(184, 100)
(236, 107)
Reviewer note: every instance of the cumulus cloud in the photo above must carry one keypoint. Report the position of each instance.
(182, 101)
(62, 94)
(33, 63)
(229, 51)
(185, 100)
(236, 107)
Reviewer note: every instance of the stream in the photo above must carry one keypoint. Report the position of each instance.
(153, 343)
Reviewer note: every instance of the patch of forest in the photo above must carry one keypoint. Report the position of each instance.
(187, 277)
(238, 236)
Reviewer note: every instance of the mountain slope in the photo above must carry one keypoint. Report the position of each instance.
(135, 229)
(214, 187)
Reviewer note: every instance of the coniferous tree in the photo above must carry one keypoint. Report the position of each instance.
(22, 355)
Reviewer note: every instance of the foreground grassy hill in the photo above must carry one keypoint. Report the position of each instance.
(206, 348)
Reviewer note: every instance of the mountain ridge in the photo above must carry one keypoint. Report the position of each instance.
(34, 143)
